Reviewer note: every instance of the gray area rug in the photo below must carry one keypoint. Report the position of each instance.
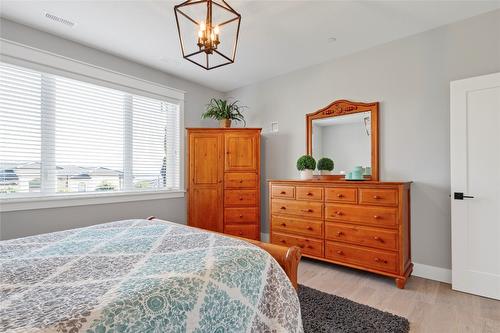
(322, 312)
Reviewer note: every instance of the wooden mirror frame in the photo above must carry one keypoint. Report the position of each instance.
(340, 108)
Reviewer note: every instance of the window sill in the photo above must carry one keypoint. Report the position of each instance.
(69, 200)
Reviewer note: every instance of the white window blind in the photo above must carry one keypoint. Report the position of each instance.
(59, 135)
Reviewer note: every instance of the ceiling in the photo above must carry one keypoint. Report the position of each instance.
(276, 36)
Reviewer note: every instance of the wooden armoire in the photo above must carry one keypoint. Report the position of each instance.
(224, 180)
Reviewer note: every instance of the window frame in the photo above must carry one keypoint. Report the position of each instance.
(50, 63)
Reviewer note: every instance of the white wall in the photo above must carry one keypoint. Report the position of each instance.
(410, 77)
(22, 223)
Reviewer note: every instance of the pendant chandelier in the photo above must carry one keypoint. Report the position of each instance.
(208, 32)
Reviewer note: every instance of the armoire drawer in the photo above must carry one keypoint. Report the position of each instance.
(341, 194)
(298, 226)
(243, 230)
(309, 193)
(308, 209)
(283, 191)
(240, 180)
(366, 236)
(309, 246)
(241, 215)
(379, 216)
(240, 197)
(377, 196)
(362, 256)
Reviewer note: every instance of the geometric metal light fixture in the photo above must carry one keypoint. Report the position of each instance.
(208, 32)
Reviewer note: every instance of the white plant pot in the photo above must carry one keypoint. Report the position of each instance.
(325, 172)
(306, 174)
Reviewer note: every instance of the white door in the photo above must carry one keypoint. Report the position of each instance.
(475, 172)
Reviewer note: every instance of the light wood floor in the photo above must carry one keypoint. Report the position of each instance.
(430, 306)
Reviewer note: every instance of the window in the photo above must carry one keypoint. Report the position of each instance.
(59, 135)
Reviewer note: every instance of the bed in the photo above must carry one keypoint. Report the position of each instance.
(146, 275)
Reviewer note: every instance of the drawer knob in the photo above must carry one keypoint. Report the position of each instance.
(282, 192)
(340, 195)
(339, 213)
(240, 233)
(309, 194)
(307, 210)
(376, 197)
(283, 224)
(309, 247)
(241, 198)
(340, 252)
(340, 233)
(376, 217)
(241, 181)
(300, 245)
(241, 216)
(309, 228)
(381, 260)
(377, 238)
(283, 241)
(283, 207)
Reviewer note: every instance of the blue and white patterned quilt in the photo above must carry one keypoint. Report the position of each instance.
(142, 276)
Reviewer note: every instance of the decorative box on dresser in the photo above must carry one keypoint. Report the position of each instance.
(360, 224)
(223, 173)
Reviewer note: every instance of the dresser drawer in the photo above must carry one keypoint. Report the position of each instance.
(300, 208)
(309, 246)
(380, 216)
(240, 197)
(241, 215)
(309, 193)
(297, 226)
(357, 255)
(366, 236)
(247, 231)
(341, 194)
(240, 180)
(373, 196)
(283, 191)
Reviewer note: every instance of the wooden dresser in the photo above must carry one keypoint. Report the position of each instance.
(223, 173)
(360, 224)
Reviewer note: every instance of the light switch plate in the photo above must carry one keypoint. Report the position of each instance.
(274, 127)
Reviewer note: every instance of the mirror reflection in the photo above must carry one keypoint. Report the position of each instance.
(344, 139)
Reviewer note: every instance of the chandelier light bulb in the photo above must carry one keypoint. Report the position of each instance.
(203, 26)
(216, 30)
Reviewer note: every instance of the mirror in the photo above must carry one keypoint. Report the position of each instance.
(347, 133)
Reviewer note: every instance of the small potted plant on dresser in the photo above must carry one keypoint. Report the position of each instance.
(224, 112)
(325, 166)
(306, 164)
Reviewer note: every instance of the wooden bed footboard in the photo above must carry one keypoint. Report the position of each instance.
(287, 257)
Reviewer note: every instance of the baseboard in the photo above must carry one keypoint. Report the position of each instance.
(420, 270)
(432, 272)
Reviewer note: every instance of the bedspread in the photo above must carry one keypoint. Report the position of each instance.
(142, 276)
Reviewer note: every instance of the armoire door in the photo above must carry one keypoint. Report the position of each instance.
(241, 151)
(205, 181)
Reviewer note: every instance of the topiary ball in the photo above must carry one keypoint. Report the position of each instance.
(325, 164)
(306, 162)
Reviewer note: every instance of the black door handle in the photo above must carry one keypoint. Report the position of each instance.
(461, 196)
